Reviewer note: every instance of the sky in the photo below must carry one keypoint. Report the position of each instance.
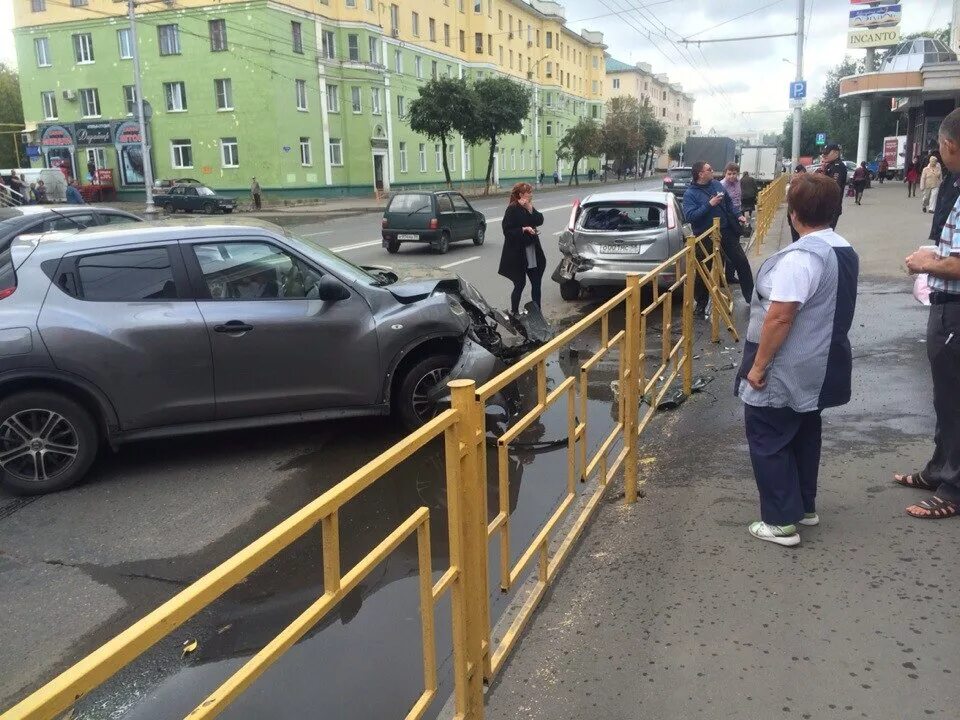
(739, 86)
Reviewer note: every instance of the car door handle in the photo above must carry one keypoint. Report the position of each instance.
(234, 326)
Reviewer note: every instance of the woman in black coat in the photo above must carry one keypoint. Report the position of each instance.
(522, 255)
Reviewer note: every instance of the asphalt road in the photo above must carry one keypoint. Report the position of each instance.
(78, 566)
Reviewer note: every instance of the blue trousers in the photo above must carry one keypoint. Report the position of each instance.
(785, 453)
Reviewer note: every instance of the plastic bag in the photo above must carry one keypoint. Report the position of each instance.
(921, 291)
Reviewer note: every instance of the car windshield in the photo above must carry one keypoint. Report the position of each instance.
(681, 173)
(411, 203)
(205, 191)
(623, 216)
(339, 265)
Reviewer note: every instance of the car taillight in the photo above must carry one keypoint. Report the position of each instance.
(7, 292)
(671, 216)
(573, 214)
(383, 223)
(434, 223)
(668, 180)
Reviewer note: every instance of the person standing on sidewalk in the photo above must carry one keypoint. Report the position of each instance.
(930, 180)
(522, 256)
(748, 194)
(860, 176)
(833, 166)
(704, 200)
(942, 473)
(911, 178)
(256, 193)
(883, 167)
(731, 185)
(797, 359)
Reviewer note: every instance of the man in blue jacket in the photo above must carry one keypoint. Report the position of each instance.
(705, 200)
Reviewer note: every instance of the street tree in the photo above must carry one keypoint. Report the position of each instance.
(674, 151)
(622, 136)
(439, 112)
(499, 106)
(654, 133)
(11, 118)
(580, 141)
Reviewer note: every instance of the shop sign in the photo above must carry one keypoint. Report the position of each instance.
(873, 38)
(92, 133)
(56, 136)
(875, 17)
(127, 133)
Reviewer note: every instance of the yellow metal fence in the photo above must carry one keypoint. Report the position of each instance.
(768, 200)
(646, 370)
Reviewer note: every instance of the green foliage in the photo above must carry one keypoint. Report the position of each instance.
(11, 118)
(674, 151)
(654, 132)
(440, 110)
(622, 135)
(498, 107)
(580, 141)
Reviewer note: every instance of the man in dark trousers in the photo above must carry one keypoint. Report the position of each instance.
(705, 200)
(942, 266)
(256, 193)
(832, 165)
(946, 198)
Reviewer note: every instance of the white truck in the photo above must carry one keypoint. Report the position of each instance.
(763, 162)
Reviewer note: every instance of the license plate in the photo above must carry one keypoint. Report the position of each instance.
(407, 236)
(620, 249)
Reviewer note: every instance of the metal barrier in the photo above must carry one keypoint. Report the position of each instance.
(475, 656)
(768, 200)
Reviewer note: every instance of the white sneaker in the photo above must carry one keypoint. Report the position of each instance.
(810, 519)
(779, 534)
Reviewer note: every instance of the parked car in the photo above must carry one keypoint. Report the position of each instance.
(437, 218)
(677, 180)
(28, 219)
(195, 198)
(612, 234)
(162, 187)
(169, 328)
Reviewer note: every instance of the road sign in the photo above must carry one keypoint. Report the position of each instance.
(821, 138)
(798, 90)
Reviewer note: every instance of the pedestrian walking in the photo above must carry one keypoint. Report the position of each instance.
(33, 194)
(748, 193)
(798, 170)
(17, 196)
(41, 192)
(912, 178)
(73, 193)
(556, 177)
(860, 177)
(797, 359)
(256, 193)
(704, 200)
(832, 165)
(930, 180)
(942, 473)
(541, 178)
(522, 256)
(882, 169)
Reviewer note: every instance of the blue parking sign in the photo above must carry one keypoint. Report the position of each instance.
(798, 90)
(821, 138)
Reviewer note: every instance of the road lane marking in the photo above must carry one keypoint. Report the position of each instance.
(322, 232)
(345, 248)
(459, 262)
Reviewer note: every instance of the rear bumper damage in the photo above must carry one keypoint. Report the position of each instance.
(594, 272)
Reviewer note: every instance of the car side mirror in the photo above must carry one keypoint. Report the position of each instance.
(329, 289)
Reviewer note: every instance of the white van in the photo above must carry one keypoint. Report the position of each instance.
(53, 179)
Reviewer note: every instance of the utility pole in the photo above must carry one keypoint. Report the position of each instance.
(798, 110)
(149, 209)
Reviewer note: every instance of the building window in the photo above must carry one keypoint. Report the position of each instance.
(463, 41)
(451, 158)
(460, 5)
(353, 48)
(401, 106)
(549, 99)
(513, 158)
(336, 152)
(418, 63)
(394, 20)
(549, 128)
(438, 156)
(375, 101)
(306, 152)
(301, 91)
(489, 45)
(422, 157)
(333, 98)
(374, 47)
(432, 24)
(218, 35)
(403, 157)
(175, 94)
(466, 160)
(351, 3)
(478, 42)
(596, 87)
(169, 39)
(549, 69)
(229, 154)
(328, 46)
(446, 34)
(130, 99)
(616, 83)
(355, 100)
(90, 102)
(398, 61)
(415, 24)
(500, 19)
(433, 69)
(478, 6)
(369, 5)
(41, 47)
(125, 43)
(181, 154)
(223, 90)
(38, 5)
(83, 48)
(549, 40)
(296, 36)
(78, 3)
(49, 101)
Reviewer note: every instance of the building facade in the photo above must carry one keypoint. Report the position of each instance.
(310, 96)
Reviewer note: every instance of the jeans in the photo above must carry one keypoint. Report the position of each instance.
(737, 259)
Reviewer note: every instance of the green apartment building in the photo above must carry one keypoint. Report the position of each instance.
(309, 96)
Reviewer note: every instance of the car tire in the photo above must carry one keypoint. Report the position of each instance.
(393, 246)
(480, 236)
(441, 245)
(421, 378)
(209, 208)
(569, 290)
(73, 428)
(168, 208)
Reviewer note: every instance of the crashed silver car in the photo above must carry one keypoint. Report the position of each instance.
(171, 328)
(612, 234)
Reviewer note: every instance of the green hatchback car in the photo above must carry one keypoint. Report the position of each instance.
(436, 218)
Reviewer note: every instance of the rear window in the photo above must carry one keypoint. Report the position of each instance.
(623, 217)
(411, 204)
(127, 276)
(680, 172)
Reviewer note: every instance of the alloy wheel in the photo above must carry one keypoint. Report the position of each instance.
(37, 445)
(423, 406)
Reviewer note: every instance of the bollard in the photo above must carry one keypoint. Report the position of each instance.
(630, 384)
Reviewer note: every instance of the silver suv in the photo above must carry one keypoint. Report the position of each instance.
(170, 328)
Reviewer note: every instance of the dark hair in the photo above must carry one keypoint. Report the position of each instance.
(863, 163)
(697, 168)
(800, 168)
(950, 127)
(731, 166)
(815, 198)
(521, 188)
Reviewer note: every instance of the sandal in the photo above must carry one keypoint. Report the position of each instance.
(914, 480)
(936, 509)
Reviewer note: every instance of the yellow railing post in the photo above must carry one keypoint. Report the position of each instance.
(761, 230)
(716, 271)
(689, 289)
(630, 384)
(473, 528)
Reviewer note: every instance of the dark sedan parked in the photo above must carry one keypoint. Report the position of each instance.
(195, 198)
(437, 218)
(28, 219)
(677, 180)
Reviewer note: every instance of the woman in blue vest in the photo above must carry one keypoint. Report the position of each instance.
(797, 359)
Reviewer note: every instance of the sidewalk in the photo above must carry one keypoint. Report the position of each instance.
(670, 610)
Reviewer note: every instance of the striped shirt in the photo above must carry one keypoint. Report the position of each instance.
(949, 244)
